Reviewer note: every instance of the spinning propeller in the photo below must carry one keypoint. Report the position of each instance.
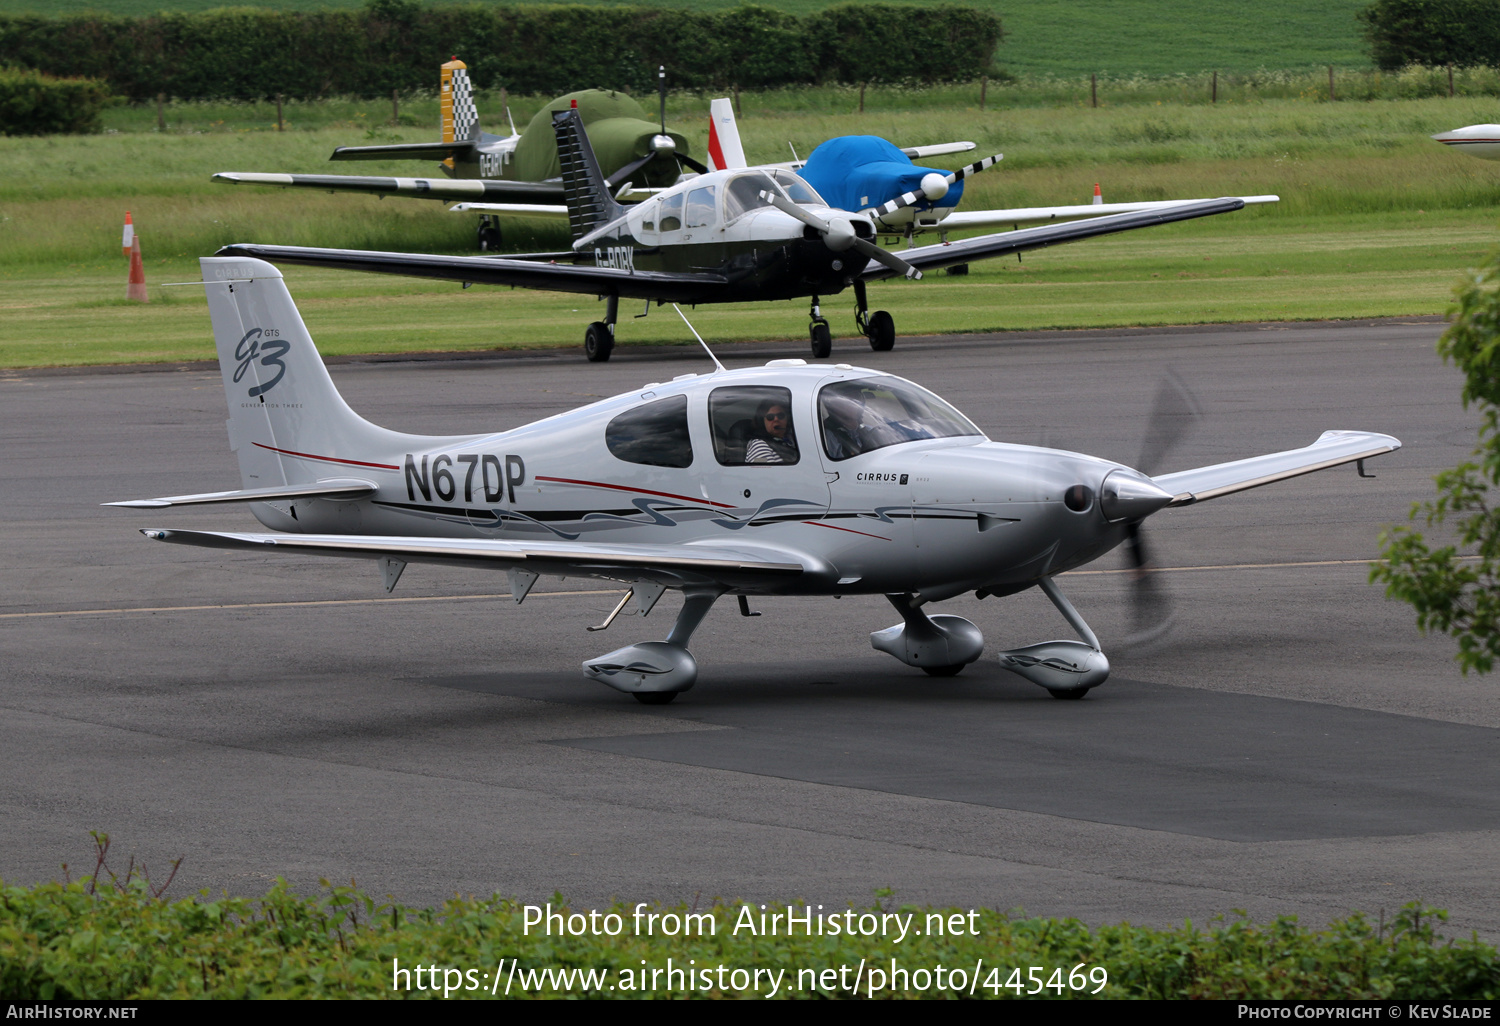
(934, 187)
(838, 235)
(1174, 413)
(662, 144)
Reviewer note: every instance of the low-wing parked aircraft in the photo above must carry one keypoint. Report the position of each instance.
(788, 479)
(515, 174)
(868, 174)
(723, 237)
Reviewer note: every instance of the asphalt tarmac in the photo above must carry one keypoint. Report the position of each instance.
(1293, 745)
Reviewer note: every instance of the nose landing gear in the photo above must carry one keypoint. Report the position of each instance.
(822, 336)
(489, 234)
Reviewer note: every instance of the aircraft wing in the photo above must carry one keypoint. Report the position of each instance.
(672, 565)
(1330, 450)
(937, 149)
(404, 151)
(421, 188)
(347, 488)
(543, 210)
(668, 286)
(983, 247)
(961, 220)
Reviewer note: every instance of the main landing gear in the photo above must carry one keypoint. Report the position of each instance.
(489, 234)
(656, 671)
(879, 327)
(599, 339)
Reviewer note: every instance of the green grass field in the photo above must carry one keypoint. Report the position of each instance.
(1376, 220)
(1058, 37)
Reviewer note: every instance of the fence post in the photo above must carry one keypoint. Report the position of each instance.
(278, 112)
(1094, 89)
(1215, 96)
(984, 87)
(861, 97)
(1330, 83)
(161, 117)
(737, 112)
(1450, 81)
(395, 109)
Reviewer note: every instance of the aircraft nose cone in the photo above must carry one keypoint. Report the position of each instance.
(840, 234)
(934, 186)
(663, 145)
(1130, 495)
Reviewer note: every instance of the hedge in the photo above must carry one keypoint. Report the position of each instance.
(32, 103)
(60, 941)
(247, 54)
(1461, 33)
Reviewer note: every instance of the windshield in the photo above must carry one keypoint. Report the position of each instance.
(798, 189)
(871, 413)
(743, 194)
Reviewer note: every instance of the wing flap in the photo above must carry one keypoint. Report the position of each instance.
(345, 488)
(1332, 449)
(670, 564)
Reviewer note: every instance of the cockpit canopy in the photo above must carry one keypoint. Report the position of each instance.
(697, 206)
(871, 413)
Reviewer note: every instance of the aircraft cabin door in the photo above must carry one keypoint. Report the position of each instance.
(764, 445)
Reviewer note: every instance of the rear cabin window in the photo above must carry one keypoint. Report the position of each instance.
(671, 213)
(655, 434)
(752, 425)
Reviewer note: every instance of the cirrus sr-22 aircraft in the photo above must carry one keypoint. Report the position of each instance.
(787, 479)
(725, 237)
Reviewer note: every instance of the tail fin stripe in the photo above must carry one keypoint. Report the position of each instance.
(328, 459)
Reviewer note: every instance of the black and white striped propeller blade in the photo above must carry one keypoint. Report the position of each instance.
(933, 190)
(838, 235)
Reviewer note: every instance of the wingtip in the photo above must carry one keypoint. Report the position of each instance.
(139, 504)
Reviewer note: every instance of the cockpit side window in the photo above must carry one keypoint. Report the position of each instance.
(866, 414)
(743, 194)
(700, 208)
(752, 424)
(671, 213)
(798, 189)
(655, 434)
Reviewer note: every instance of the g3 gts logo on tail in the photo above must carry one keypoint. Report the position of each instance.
(270, 350)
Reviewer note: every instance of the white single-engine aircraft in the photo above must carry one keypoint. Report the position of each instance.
(788, 479)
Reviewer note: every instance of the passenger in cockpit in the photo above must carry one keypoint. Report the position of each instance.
(772, 441)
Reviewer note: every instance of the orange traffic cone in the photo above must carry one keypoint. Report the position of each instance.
(126, 238)
(1098, 196)
(136, 290)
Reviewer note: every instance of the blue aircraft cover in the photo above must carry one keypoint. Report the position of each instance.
(856, 172)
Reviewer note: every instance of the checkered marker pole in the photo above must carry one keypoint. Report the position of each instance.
(911, 199)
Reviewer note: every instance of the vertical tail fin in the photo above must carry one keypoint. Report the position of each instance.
(590, 206)
(287, 422)
(460, 115)
(724, 149)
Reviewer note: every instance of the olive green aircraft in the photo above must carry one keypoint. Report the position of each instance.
(740, 235)
(515, 174)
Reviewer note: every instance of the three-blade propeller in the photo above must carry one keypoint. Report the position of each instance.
(838, 235)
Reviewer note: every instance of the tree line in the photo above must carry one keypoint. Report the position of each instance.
(250, 54)
(1435, 33)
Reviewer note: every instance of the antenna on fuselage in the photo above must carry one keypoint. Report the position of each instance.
(697, 336)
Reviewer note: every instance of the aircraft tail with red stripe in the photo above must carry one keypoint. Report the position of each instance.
(724, 150)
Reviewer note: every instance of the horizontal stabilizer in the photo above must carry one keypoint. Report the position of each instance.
(405, 151)
(1332, 449)
(343, 488)
(419, 188)
(673, 565)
